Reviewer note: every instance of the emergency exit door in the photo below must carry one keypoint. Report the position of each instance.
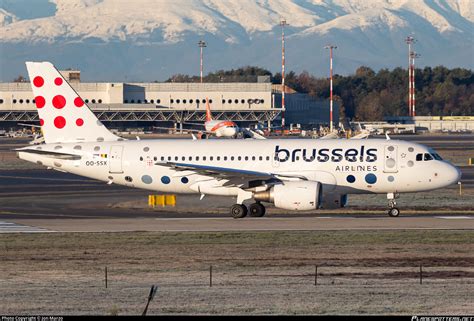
(115, 159)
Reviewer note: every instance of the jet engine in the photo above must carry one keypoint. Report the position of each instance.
(295, 196)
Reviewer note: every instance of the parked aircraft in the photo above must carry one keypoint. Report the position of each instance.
(293, 174)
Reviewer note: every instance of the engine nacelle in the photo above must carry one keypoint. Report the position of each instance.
(331, 201)
(295, 196)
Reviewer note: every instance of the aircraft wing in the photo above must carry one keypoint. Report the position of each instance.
(228, 173)
(184, 129)
(252, 134)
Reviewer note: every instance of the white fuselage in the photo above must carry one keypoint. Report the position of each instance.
(221, 128)
(342, 166)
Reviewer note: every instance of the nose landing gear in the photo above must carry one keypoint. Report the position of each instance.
(393, 211)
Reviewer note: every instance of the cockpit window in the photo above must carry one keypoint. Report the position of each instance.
(436, 156)
(419, 157)
(428, 157)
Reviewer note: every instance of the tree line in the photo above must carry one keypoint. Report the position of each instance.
(367, 95)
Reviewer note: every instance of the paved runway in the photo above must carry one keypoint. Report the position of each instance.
(318, 223)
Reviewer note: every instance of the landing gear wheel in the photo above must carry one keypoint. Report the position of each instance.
(238, 211)
(256, 210)
(394, 212)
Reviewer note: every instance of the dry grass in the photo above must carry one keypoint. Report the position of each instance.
(257, 272)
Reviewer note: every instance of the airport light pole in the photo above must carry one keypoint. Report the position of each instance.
(330, 47)
(413, 56)
(283, 23)
(201, 44)
(410, 40)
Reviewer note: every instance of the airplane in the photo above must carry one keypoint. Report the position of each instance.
(293, 174)
(221, 128)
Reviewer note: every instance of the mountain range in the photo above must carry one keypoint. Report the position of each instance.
(146, 40)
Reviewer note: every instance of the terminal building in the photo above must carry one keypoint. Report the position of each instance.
(136, 105)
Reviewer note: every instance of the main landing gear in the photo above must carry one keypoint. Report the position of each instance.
(254, 210)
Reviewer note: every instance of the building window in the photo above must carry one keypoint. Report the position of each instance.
(125, 101)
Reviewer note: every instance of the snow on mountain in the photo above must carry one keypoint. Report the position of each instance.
(143, 35)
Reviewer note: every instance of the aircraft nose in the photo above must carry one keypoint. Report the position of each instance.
(453, 174)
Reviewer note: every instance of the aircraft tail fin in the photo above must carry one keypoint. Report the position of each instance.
(208, 110)
(64, 117)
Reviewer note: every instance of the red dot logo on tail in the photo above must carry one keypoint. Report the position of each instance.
(41, 122)
(79, 122)
(59, 122)
(38, 81)
(58, 81)
(59, 101)
(78, 102)
(40, 101)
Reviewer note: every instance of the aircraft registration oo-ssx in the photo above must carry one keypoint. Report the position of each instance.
(292, 174)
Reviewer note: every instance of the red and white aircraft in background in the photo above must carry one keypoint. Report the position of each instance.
(221, 128)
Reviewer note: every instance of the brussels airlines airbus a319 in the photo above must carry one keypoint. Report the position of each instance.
(293, 174)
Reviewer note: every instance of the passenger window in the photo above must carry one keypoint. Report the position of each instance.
(183, 158)
(162, 158)
(260, 158)
(169, 158)
(197, 158)
(246, 158)
(428, 157)
(268, 158)
(239, 158)
(225, 158)
(204, 158)
(419, 157)
(190, 158)
(253, 158)
(218, 158)
(232, 158)
(211, 158)
(176, 158)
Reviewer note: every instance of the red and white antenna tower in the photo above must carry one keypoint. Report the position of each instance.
(410, 40)
(283, 23)
(413, 56)
(330, 47)
(201, 44)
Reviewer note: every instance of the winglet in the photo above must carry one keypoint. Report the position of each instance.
(386, 135)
